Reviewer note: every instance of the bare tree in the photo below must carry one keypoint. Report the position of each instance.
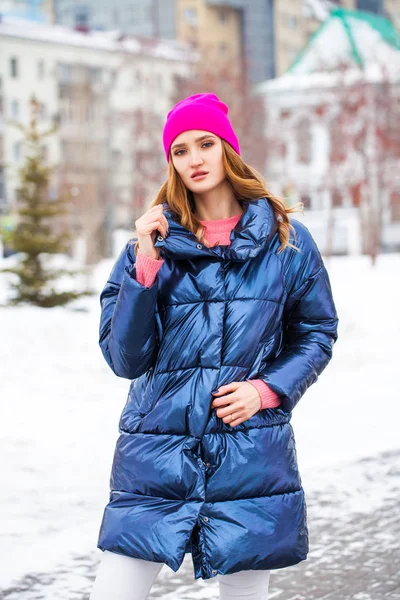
(365, 148)
(85, 173)
(147, 157)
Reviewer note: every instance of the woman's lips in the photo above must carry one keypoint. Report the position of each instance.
(196, 177)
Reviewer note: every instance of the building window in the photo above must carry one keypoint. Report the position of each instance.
(306, 200)
(42, 111)
(375, 6)
(44, 153)
(14, 67)
(337, 153)
(66, 111)
(2, 184)
(304, 141)
(17, 151)
(15, 109)
(64, 150)
(337, 198)
(395, 204)
(116, 158)
(223, 15)
(90, 112)
(82, 17)
(64, 73)
(40, 69)
(190, 16)
(223, 48)
(95, 74)
(2, 196)
(355, 193)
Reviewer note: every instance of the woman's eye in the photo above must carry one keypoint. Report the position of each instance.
(177, 153)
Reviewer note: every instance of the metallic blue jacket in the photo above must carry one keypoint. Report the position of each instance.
(182, 480)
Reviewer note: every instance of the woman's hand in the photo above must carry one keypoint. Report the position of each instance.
(146, 229)
(240, 399)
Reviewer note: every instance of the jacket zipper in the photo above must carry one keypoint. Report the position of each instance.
(220, 422)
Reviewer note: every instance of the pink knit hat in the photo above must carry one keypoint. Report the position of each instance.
(200, 111)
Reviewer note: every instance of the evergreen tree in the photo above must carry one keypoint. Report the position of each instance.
(35, 234)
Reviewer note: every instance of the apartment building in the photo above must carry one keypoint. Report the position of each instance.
(109, 97)
(215, 31)
(231, 28)
(266, 34)
(338, 149)
(149, 18)
(34, 10)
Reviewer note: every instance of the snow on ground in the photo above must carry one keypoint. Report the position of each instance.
(61, 405)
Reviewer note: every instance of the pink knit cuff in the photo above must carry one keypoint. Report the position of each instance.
(269, 399)
(147, 268)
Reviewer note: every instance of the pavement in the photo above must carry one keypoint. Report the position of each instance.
(354, 536)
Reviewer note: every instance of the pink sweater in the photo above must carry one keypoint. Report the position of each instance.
(216, 232)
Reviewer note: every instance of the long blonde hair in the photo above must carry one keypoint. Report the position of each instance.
(247, 183)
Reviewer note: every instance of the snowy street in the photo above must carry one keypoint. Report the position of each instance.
(354, 553)
(60, 410)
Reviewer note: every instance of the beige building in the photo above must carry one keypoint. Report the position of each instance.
(215, 31)
(48, 9)
(392, 8)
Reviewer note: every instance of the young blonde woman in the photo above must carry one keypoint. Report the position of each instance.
(220, 312)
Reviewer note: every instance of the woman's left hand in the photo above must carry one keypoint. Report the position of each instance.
(240, 399)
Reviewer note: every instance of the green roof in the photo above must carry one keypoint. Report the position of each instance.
(348, 20)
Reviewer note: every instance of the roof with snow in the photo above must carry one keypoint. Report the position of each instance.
(347, 38)
(355, 38)
(109, 41)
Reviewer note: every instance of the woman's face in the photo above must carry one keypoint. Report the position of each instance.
(198, 150)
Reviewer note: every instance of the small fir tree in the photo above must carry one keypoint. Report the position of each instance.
(35, 234)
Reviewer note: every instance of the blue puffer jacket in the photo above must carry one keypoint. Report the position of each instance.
(182, 480)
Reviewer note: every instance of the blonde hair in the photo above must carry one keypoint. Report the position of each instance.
(247, 183)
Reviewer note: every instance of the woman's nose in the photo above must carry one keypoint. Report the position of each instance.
(195, 159)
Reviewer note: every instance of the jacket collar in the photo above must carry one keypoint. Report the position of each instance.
(254, 230)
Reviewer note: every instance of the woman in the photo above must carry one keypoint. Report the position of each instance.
(221, 314)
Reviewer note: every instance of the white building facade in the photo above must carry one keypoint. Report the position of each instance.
(316, 159)
(91, 84)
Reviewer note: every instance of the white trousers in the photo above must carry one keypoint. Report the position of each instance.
(122, 577)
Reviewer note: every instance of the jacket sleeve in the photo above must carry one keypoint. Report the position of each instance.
(128, 326)
(310, 324)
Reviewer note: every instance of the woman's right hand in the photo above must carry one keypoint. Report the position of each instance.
(146, 229)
